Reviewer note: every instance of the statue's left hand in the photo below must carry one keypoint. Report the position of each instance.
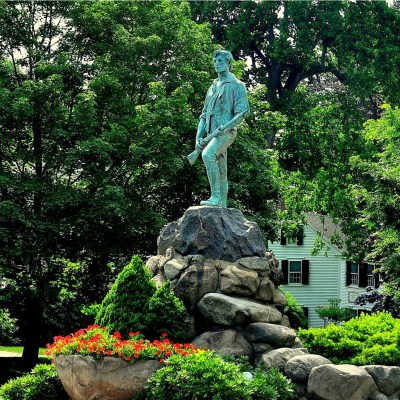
(220, 131)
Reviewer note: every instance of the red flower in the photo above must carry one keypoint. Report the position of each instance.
(95, 340)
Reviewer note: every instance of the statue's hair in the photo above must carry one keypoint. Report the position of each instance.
(226, 54)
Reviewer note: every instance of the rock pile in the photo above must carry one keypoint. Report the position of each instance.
(218, 266)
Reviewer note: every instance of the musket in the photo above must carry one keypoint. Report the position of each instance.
(192, 157)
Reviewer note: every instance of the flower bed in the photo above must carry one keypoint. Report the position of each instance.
(97, 342)
(93, 363)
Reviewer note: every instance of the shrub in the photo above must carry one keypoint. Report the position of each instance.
(8, 328)
(208, 376)
(166, 314)
(134, 304)
(125, 306)
(368, 339)
(295, 313)
(333, 312)
(42, 383)
(270, 385)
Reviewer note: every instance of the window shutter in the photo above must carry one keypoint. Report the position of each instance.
(363, 275)
(283, 240)
(348, 273)
(285, 270)
(376, 277)
(300, 238)
(305, 267)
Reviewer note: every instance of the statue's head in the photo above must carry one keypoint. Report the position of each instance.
(226, 54)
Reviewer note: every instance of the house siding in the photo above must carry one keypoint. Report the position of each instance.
(327, 276)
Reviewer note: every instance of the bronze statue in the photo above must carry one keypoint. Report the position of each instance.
(226, 105)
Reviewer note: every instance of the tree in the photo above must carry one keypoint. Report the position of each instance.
(96, 100)
(376, 193)
(340, 53)
(290, 42)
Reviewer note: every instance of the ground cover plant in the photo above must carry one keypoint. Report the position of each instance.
(207, 376)
(368, 339)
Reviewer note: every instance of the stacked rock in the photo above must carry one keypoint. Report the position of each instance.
(217, 264)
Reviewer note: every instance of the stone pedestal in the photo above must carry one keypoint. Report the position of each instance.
(213, 232)
(217, 264)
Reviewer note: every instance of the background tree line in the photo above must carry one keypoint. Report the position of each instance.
(99, 102)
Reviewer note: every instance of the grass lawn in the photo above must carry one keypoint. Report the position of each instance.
(19, 349)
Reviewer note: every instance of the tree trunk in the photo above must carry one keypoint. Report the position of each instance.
(33, 324)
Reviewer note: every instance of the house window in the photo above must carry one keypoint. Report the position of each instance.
(354, 274)
(361, 275)
(371, 276)
(295, 272)
(294, 241)
(358, 311)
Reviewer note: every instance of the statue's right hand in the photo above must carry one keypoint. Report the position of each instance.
(199, 146)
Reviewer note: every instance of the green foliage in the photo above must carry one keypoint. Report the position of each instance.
(91, 310)
(96, 113)
(208, 376)
(369, 339)
(42, 383)
(333, 312)
(8, 328)
(295, 313)
(133, 304)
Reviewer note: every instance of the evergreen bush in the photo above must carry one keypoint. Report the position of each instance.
(42, 383)
(125, 306)
(368, 339)
(166, 314)
(134, 304)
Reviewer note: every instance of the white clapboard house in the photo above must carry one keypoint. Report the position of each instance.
(313, 280)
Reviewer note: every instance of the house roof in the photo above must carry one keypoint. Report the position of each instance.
(330, 231)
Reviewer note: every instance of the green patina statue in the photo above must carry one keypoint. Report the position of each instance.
(225, 107)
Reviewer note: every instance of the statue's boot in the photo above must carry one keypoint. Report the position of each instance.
(224, 193)
(213, 177)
